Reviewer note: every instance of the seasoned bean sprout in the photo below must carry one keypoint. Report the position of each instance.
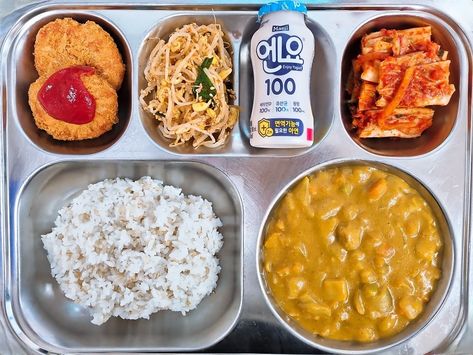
(187, 89)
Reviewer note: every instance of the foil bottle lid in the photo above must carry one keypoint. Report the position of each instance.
(281, 5)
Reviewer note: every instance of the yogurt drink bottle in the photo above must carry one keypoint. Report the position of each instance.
(282, 51)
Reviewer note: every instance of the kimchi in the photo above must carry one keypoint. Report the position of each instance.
(398, 74)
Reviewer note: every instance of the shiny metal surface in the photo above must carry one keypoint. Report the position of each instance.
(258, 175)
(432, 307)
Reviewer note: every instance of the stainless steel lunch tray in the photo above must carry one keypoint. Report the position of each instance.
(257, 175)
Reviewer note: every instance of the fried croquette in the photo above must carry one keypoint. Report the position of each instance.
(105, 111)
(65, 42)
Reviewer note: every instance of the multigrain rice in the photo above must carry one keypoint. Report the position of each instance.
(131, 248)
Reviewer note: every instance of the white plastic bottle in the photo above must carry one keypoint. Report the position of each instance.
(282, 51)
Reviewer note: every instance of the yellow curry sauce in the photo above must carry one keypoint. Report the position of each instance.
(352, 253)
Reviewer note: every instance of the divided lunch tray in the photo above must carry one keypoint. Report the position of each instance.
(39, 174)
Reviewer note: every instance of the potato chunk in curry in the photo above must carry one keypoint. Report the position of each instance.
(352, 253)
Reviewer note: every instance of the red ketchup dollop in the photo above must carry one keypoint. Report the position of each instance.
(65, 97)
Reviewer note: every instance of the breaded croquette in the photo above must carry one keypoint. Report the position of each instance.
(106, 108)
(65, 42)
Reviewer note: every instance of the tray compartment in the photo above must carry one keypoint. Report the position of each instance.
(431, 308)
(26, 74)
(162, 30)
(55, 323)
(444, 117)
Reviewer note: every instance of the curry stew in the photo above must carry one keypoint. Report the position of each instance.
(352, 253)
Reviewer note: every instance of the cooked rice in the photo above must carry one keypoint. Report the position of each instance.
(131, 248)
